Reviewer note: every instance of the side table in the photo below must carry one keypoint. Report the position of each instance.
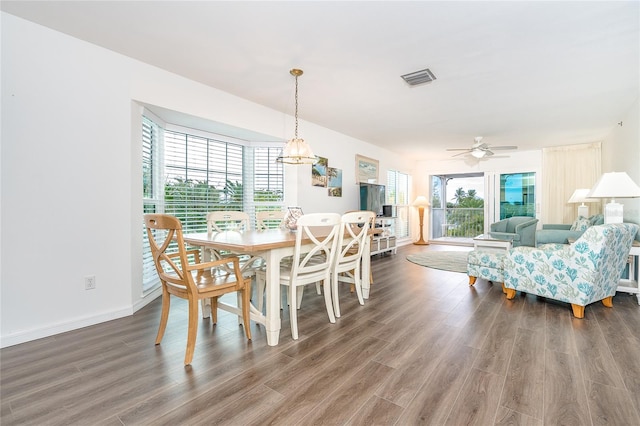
(630, 285)
(485, 241)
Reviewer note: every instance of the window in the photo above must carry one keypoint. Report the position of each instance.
(398, 195)
(188, 175)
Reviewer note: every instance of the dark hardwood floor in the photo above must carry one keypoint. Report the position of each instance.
(425, 349)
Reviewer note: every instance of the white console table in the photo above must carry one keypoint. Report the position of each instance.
(630, 285)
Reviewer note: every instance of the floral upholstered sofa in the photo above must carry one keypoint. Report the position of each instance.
(581, 273)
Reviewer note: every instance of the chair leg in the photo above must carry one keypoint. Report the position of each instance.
(358, 283)
(504, 289)
(608, 302)
(214, 310)
(164, 316)
(192, 332)
(334, 291)
(578, 311)
(327, 300)
(472, 280)
(293, 312)
(246, 300)
(510, 292)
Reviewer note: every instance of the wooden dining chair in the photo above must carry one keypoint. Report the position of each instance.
(311, 264)
(270, 219)
(354, 230)
(185, 279)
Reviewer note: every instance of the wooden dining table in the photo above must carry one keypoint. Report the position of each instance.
(272, 245)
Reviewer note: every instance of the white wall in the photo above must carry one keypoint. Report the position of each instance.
(71, 174)
(621, 152)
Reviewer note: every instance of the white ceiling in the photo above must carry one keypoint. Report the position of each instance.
(531, 74)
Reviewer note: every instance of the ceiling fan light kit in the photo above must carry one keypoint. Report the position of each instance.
(480, 149)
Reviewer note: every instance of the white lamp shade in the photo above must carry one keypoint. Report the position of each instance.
(477, 153)
(580, 196)
(421, 201)
(614, 185)
(297, 151)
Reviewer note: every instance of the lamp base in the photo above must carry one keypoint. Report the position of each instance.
(583, 210)
(613, 213)
(421, 242)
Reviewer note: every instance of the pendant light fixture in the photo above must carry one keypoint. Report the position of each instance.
(296, 150)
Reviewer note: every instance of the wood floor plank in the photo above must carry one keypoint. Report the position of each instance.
(403, 384)
(611, 406)
(565, 400)
(507, 417)
(559, 335)
(596, 359)
(478, 400)
(523, 391)
(496, 350)
(376, 412)
(354, 392)
(435, 399)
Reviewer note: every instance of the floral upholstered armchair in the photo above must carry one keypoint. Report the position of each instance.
(581, 273)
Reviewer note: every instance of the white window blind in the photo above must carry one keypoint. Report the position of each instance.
(188, 175)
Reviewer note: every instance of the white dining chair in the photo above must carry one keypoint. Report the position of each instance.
(232, 221)
(353, 235)
(270, 219)
(311, 264)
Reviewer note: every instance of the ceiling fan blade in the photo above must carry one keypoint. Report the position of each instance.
(458, 149)
(487, 153)
(466, 151)
(503, 147)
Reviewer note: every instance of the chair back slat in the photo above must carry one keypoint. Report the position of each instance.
(270, 219)
(320, 257)
(220, 221)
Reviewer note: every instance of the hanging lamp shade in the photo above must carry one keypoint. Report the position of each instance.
(296, 150)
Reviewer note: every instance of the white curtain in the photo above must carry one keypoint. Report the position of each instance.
(565, 169)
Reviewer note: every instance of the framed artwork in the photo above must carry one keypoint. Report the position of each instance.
(334, 182)
(366, 169)
(319, 172)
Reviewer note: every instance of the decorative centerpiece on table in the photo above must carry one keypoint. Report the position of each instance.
(291, 218)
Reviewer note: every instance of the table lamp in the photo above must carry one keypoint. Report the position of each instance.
(580, 196)
(614, 185)
(421, 202)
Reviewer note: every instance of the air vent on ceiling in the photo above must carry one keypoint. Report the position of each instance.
(419, 77)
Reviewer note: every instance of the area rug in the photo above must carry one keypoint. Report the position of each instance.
(454, 261)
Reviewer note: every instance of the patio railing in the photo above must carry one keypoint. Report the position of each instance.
(457, 222)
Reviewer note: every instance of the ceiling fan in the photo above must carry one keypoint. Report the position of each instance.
(480, 149)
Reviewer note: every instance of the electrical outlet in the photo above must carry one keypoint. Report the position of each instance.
(90, 282)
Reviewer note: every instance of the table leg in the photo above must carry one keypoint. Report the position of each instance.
(272, 290)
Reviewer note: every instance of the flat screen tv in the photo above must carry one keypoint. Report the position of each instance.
(372, 197)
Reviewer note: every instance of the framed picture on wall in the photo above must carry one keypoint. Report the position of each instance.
(334, 183)
(366, 169)
(319, 172)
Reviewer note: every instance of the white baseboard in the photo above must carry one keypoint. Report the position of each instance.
(63, 327)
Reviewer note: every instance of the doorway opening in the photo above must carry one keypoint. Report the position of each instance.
(457, 208)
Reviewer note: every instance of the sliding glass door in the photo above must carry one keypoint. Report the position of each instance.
(463, 206)
(517, 195)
